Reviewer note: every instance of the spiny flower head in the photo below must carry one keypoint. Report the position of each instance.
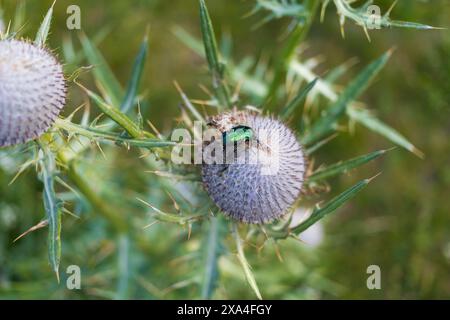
(32, 91)
(264, 179)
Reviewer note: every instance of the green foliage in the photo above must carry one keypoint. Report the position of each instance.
(52, 207)
(294, 104)
(326, 124)
(133, 84)
(216, 66)
(108, 82)
(249, 276)
(41, 36)
(362, 17)
(329, 207)
(144, 227)
(279, 9)
(371, 122)
(213, 249)
(344, 166)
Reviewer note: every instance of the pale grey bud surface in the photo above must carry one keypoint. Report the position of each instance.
(245, 191)
(32, 91)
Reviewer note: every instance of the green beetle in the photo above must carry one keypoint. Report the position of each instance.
(242, 133)
(237, 134)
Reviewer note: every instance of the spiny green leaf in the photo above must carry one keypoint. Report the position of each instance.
(407, 24)
(251, 84)
(120, 118)
(244, 263)
(52, 207)
(216, 67)
(330, 206)
(171, 217)
(187, 103)
(292, 43)
(72, 57)
(362, 17)
(211, 254)
(133, 85)
(102, 72)
(344, 166)
(294, 103)
(41, 36)
(209, 40)
(99, 135)
(327, 123)
(281, 9)
(368, 120)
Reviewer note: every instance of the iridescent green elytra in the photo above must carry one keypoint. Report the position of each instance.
(237, 134)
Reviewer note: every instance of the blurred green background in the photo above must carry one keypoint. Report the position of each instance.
(401, 222)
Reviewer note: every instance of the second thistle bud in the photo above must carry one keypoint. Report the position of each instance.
(32, 91)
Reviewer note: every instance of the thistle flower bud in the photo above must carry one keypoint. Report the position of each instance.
(32, 91)
(264, 180)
